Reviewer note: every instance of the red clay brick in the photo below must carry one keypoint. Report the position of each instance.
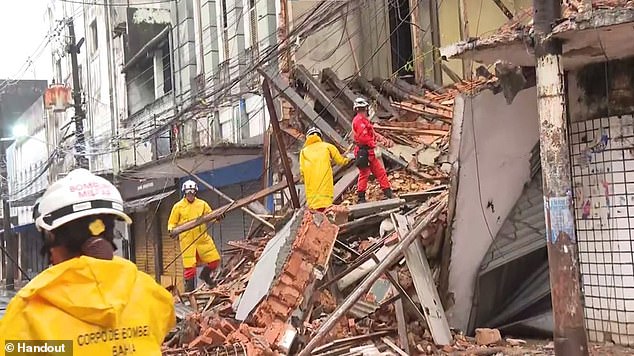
(311, 248)
(227, 327)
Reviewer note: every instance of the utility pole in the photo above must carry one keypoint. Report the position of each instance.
(569, 329)
(8, 270)
(7, 238)
(6, 217)
(80, 115)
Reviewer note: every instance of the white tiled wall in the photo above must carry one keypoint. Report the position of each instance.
(603, 180)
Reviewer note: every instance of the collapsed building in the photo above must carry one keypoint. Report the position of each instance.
(373, 275)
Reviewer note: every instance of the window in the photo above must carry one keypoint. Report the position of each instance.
(167, 70)
(223, 4)
(223, 73)
(94, 38)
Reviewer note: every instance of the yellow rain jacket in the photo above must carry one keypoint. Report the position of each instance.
(196, 240)
(106, 307)
(316, 170)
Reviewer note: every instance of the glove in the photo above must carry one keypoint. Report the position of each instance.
(219, 217)
(173, 236)
(350, 156)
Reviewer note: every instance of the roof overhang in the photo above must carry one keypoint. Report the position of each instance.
(588, 38)
(196, 161)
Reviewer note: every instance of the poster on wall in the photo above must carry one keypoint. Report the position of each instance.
(561, 219)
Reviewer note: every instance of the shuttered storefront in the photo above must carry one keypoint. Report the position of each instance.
(143, 246)
(172, 274)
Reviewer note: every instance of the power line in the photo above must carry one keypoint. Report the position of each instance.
(95, 3)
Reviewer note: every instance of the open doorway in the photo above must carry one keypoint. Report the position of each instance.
(401, 39)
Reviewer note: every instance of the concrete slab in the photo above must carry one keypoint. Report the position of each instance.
(374, 207)
(268, 267)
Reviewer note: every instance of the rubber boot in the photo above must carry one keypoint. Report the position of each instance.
(361, 196)
(189, 285)
(205, 275)
(388, 193)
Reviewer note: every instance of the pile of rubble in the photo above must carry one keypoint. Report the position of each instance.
(359, 278)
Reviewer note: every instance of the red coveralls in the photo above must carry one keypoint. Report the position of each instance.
(364, 135)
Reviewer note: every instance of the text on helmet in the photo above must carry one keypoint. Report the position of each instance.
(91, 189)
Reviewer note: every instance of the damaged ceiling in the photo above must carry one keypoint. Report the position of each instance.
(588, 37)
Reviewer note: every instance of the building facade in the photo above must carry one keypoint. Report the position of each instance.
(171, 92)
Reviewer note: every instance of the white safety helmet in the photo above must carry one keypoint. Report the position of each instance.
(189, 185)
(360, 103)
(79, 194)
(313, 131)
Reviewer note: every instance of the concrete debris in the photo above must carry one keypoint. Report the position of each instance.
(276, 292)
(515, 342)
(487, 337)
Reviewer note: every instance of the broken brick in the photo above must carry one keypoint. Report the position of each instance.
(488, 337)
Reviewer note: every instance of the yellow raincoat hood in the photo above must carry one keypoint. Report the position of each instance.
(315, 167)
(102, 305)
(86, 289)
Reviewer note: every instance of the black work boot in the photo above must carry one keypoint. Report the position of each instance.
(361, 196)
(205, 275)
(189, 285)
(388, 193)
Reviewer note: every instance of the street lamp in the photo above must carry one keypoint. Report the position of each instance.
(20, 131)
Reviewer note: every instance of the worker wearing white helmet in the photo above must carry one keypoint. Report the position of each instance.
(195, 244)
(365, 139)
(88, 295)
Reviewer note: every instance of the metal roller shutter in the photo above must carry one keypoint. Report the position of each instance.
(143, 248)
(235, 226)
(171, 248)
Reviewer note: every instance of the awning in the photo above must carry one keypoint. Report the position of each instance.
(24, 228)
(141, 203)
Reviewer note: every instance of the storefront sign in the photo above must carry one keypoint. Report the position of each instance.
(133, 188)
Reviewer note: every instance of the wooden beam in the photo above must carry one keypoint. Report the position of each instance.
(467, 64)
(424, 284)
(374, 94)
(218, 213)
(309, 113)
(225, 196)
(455, 77)
(318, 93)
(338, 84)
(504, 9)
(435, 40)
(277, 133)
(349, 178)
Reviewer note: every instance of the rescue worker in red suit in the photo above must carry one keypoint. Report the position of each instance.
(365, 139)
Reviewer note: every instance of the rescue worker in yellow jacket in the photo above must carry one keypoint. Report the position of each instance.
(316, 170)
(103, 303)
(196, 244)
